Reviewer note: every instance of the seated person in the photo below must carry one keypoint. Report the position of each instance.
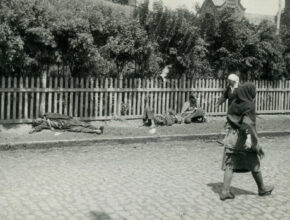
(190, 112)
(57, 121)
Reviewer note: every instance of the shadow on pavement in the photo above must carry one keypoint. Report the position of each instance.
(99, 216)
(217, 188)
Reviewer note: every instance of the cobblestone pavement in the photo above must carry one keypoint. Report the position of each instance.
(176, 180)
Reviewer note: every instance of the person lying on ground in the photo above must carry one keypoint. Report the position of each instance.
(57, 121)
(242, 152)
(167, 119)
(191, 113)
(150, 119)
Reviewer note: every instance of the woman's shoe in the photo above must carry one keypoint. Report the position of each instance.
(226, 196)
(266, 191)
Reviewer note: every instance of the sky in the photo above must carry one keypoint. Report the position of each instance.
(266, 7)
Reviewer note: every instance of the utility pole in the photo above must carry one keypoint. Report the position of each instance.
(278, 18)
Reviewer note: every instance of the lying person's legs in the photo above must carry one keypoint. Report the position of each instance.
(148, 117)
(88, 125)
(86, 129)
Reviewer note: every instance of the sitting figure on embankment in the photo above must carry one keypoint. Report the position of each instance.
(191, 113)
(58, 121)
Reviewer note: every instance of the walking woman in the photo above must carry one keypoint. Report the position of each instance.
(242, 151)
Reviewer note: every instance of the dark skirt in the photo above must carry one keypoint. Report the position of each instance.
(236, 156)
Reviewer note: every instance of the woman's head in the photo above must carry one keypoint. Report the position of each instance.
(233, 80)
(192, 99)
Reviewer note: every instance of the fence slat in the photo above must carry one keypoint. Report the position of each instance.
(105, 106)
(66, 101)
(71, 97)
(37, 102)
(26, 99)
(82, 99)
(14, 109)
(91, 99)
(110, 105)
(120, 95)
(8, 99)
(152, 94)
(76, 103)
(134, 96)
(61, 101)
(20, 108)
(97, 111)
(163, 105)
(86, 108)
(31, 99)
(3, 80)
(155, 100)
(101, 98)
(166, 95)
(138, 97)
(115, 107)
(49, 96)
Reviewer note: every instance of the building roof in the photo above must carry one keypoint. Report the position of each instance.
(218, 2)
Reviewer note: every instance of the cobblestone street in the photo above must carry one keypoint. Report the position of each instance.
(172, 180)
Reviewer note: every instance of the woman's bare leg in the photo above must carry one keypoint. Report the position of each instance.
(262, 189)
(226, 194)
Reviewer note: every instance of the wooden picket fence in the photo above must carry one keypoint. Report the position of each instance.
(24, 99)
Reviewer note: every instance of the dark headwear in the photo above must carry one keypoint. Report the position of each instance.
(191, 96)
(244, 104)
(192, 99)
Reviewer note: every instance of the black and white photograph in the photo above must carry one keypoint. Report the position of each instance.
(144, 109)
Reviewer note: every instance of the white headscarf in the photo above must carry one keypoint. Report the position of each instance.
(235, 78)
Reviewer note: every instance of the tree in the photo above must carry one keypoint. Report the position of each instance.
(285, 35)
(254, 51)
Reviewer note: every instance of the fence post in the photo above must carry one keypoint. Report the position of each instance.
(183, 92)
(43, 94)
(120, 94)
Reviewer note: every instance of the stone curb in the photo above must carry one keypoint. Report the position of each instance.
(125, 140)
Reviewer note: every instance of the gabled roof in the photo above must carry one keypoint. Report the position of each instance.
(218, 2)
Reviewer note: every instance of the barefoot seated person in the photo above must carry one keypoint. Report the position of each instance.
(190, 112)
(58, 121)
(242, 152)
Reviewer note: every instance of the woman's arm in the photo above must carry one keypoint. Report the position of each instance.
(252, 141)
(185, 107)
